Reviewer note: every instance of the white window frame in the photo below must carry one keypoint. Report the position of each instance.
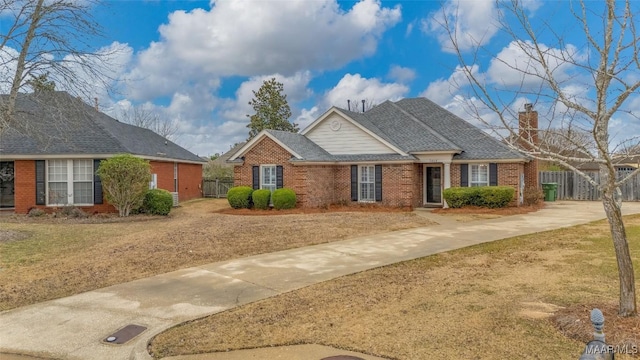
(153, 184)
(273, 184)
(70, 181)
(367, 179)
(478, 182)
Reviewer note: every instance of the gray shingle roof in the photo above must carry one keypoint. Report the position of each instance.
(304, 147)
(412, 125)
(55, 123)
(475, 143)
(411, 134)
(310, 151)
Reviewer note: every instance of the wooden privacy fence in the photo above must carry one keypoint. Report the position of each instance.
(572, 186)
(216, 188)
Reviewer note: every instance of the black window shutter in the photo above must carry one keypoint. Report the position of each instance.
(378, 182)
(97, 183)
(41, 191)
(493, 174)
(279, 182)
(256, 177)
(354, 182)
(464, 175)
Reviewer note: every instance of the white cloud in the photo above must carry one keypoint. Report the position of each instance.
(306, 117)
(249, 38)
(8, 68)
(401, 74)
(409, 29)
(473, 23)
(517, 64)
(193, 110)
(442, 91)
(356, 88)
(295, 87)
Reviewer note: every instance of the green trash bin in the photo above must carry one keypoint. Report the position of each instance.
(550, 191)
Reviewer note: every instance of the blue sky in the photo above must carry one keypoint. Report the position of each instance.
(196, 62)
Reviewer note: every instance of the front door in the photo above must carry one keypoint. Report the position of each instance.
(433, 183)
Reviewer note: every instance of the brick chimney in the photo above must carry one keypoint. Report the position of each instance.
(528, 130)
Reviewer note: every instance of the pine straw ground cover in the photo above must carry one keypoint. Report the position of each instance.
(46, 258)
(527, 297)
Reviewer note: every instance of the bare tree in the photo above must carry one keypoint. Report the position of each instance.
(149, 119)
(583, 86)
(50, 37)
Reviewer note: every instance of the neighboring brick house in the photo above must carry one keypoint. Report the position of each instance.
(398, 154)
(49, 156)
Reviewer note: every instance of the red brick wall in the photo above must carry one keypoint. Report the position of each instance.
(320, 185)
(398, 184)
(342, 187)
(189, 178)
(266, 151)
(508, 175)
(418, 185)
(164, 171)
(189, 183)
(25, 191)
(315, 185)
(25, 185)
(455, 175)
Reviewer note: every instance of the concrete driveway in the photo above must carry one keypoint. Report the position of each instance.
(75, 327)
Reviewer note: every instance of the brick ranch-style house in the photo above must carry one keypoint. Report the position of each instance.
(400, 153)
(49, 156)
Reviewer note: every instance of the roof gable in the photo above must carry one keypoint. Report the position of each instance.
(345, 133)
(256, 140)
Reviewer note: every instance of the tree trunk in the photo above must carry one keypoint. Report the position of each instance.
(623, 257)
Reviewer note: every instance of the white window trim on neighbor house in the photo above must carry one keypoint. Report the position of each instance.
(153, 184)
(366, 183)
(475, 172)
(70, 172)
(272, 183)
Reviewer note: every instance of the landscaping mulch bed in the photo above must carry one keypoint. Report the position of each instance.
(319, 210)
(623, 333)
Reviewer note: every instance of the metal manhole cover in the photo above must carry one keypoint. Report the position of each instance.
(125, 334)
(342, 357)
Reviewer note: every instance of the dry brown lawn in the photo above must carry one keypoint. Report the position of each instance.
(45, 258)
(491, 301)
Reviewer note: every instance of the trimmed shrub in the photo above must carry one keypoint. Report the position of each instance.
(458, 197)
(495, 196)
(125, 180)
(239, 197)
(157, 202)
(261, 198)
(284, 199)
(484, 196)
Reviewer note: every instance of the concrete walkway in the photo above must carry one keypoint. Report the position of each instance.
(75, 327)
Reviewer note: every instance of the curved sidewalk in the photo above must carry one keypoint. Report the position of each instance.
(75, 327)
